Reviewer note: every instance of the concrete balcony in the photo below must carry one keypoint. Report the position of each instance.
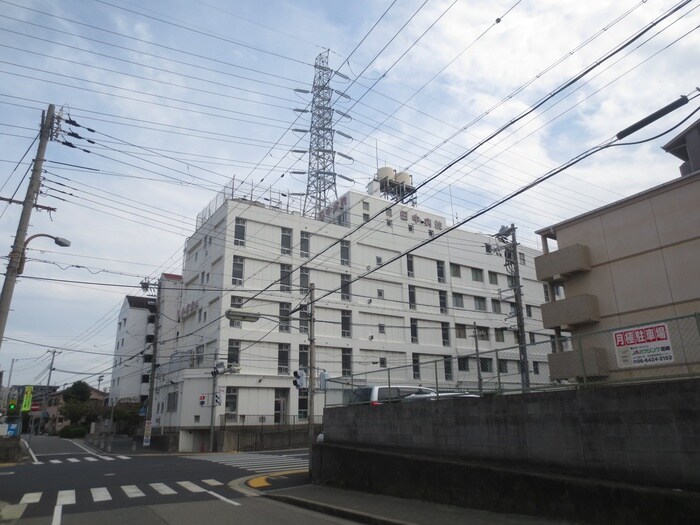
(569, 365)
(558, 265)
(572, 311)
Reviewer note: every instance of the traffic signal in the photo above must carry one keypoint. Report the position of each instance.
(300, 379)
(217, 399)
(202, 400)
(12, 407)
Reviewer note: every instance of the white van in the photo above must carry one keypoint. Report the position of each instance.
(378, 395)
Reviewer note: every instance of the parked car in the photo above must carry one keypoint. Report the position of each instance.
(438, 396)
(378, 395)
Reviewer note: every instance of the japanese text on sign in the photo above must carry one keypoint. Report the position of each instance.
(643, 346)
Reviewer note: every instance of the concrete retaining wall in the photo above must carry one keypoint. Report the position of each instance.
(644, 433)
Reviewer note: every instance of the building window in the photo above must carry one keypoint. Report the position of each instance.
(502, 366)
(346, 362)
(388, 222)
(460, 331)
(457, 300)
(379, 260)
(382, 362)
(496, 306)
(145, 378)
(493, 278)
(172, 402)
(410, 227)
(234, 352)
(478, 275)
(303, 404)
(345, 287)
(443, 301)
(455, 270)
(285, 308)
(431, 233)
(239, 232)
(486, 364)
(479, 303)
(231, 403)
(345, 253)
(535, 368)
(304, 276)
(237, 272)
(285, 277)
(531, 335)
(411, 297)
(445, 329)
(365, 206)
(510, 279)
(415, 360)
(345, 323)
(440, 271)
(148, 358)
(365, 217)
(304, 244)
(448, 368)
(303, 356)
(500, 334)
(380, 293)
(414, 330)
(282, 358)
(482, 333)
(528, 310)
(557, 290)
(521, 258)
(199, 355)
(286, 241)
(463, 364)
(381, 328)
(304, 319)
(545, 286)
(513, 309)
(409, 265)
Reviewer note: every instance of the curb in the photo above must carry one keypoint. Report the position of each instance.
(332, 510)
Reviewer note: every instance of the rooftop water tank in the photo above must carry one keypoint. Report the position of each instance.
(386, 173)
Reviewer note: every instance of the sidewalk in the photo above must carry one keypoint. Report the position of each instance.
(388, 510)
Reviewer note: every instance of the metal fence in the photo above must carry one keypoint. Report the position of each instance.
(650, 351)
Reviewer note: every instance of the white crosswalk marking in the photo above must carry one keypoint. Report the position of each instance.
(106, 458)
(253, 462)
(212, 482)
(90, 458)
(38, 463)
(30, 497)
(100, 494)
(55, 461)
(65, 497)
(132, 491)
(123, 457)
(163, 489)
(73, 460)
(190, 486)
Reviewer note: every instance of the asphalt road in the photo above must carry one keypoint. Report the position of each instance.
(70, 483)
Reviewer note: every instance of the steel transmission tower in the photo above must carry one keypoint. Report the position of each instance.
(320, 186)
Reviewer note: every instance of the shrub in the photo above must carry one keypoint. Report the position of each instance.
(72, 432)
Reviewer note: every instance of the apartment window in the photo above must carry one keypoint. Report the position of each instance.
(304, 276)
(411, 297)
(365, 217)
(199, 316)
(345, 323)
(171, 405)
(486, 364)
(513, 309)
(502, 366)
(455, 270)
(457, 300)
(409, 265)
(380, 293)
(282, 358)
(388, 212)
(304, 319)
(478, 275)
(204, 317)
(304, 244)
(500, 334)
(431, 233)
(545, 286)
(365, 206)
(148, 358)
(531, 335)
(463, 364)
(460, 331)
(445, 329)
(346, 362)
(303, 356)
(345, 253)
(239, 232)
(482, 333)
(479, 303)
(493, 278)
(285, 308)
(231, 402)
(286, 241)
(553, 343)
(511, 281)
(521, 258)
(381, 328)
(443, 301)
(234, 352)
(345, 287)
(528, 310)
(285, 277)
(447, 360)
(237, 272)
(145, 378)
(557, 290)
(414, 330)
(388, 222)
(410, 227)
(440, 271)
(382, 362)
(415, 361)
(303, 404)
(496, 306)
(201, 278)
(379, 260)
(535, 368)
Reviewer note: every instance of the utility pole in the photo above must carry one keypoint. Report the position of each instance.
(479, 380)
(214, 386)
(45, 398)
(312, 366)
(154, 367)
(8, 286)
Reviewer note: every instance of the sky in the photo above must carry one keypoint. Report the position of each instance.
(181, 97)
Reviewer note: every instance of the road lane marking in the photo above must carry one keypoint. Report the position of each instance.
(38, 463)
(163, 489)
(212, 482)
(100, 494)
(55, 461)
(65, 497)
(30, 497)
(132, 491)
(13, 512)
(73, 460)
(57, 515)
(90, 458)
(226, 500)
(31, 452)
(12, 471)
(123, 457)
(190, 486)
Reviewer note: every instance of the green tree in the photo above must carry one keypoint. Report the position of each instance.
(75, 411)
(78, 391)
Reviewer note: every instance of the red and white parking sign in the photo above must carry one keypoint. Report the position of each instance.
(643, 346)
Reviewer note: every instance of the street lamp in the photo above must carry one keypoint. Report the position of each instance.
(15, 267)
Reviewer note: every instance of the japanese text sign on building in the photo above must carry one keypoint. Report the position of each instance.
(643, 346)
